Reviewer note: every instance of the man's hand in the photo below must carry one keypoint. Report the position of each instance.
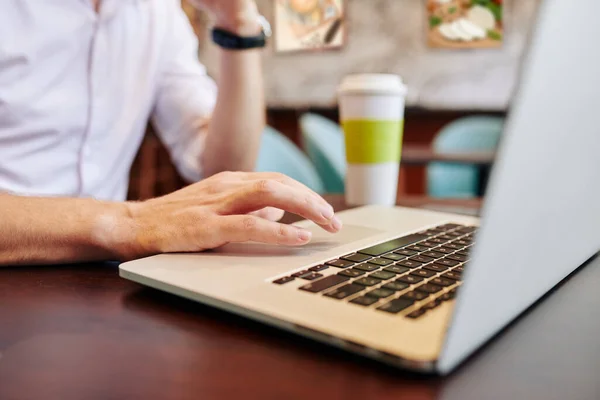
(238, 16)
(228, 207)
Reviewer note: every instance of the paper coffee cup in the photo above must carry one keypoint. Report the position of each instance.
(372, 117)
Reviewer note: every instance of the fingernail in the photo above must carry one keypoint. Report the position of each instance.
(304, 235)
(327, 212)
(336, 223)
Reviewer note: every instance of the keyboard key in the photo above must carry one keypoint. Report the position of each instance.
(380, 261)
(454, 246)
(421, 258)
(344, 291)
(366, 267)
(299, 274)
(367, 281)
(438, 240)
(355, 257)
(406, 252)
(447, 262)
(416, 313)
(312, 276)
(428, 244)
(440, 281)
(418, 248)
(394, 244)
(393, 256)
(340, 263)
(462, 242)
(429, 288)
(446, 237)
(452, 275)
(397, 305)
(318, 268)
(455, 234)
(445, 297)
(423, 273)
(433, 254)
(409, 264)
(415, 296)
(431, 305)
(325, 283)
(463, 253)
(467, 229)
(397, 286)
(444, 250)
(283, 280)
(380, 293)
(438, 229)
(410, 279)
(429, 233)
(383, 275)
(396, 269)
(435, 267)
(365, 300)
(351, 272)
(452, 226)
(460, 270)
(458, 257)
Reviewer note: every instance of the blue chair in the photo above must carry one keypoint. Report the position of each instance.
(324, 143)
(279, 154)
(468, 134)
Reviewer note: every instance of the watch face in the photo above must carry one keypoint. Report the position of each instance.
(265, 25)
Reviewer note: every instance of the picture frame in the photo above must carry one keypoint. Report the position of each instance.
(465, 24)
(309, 25)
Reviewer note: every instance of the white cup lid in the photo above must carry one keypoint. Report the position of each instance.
(373, 83)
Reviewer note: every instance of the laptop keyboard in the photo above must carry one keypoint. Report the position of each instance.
(409, 275)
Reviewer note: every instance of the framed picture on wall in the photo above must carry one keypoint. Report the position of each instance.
(465, 24)
(308, 25)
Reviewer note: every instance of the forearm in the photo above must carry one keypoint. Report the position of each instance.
(58, 230)
(239, 117)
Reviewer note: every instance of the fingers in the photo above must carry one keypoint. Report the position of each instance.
(335, 224)
(244, 177)
(286, 180)
(244, 228)
(270, 193)
(269, 213)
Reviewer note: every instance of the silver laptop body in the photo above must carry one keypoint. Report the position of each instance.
(540, 222)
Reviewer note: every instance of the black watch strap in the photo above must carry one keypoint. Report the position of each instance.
(231, 41)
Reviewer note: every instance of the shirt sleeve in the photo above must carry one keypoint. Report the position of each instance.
(185, 98)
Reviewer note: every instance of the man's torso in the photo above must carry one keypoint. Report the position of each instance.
(76, 90)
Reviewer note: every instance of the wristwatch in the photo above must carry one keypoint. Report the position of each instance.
(232, 41)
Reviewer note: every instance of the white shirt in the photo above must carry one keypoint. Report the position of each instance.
(78, 88)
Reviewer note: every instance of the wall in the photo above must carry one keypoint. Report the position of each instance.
(389, 36)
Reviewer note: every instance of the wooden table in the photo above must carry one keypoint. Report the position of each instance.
(80, 332)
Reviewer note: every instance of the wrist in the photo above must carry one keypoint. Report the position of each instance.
(116, 231)
(242, 24)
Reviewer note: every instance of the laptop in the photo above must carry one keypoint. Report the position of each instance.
(422, 290)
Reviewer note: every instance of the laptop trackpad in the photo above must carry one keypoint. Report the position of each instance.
(322, 241)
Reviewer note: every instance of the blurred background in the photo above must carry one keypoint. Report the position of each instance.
(456, 105)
